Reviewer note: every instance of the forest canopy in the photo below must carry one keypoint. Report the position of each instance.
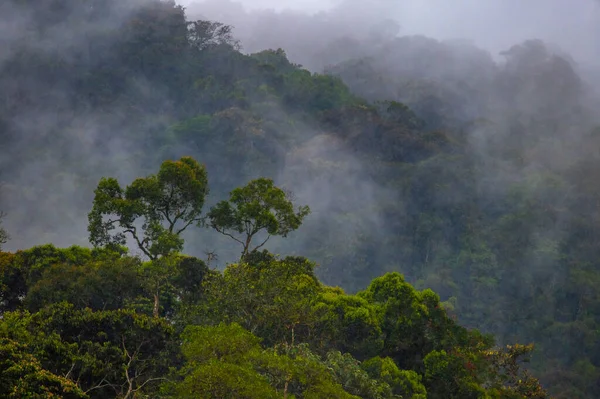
(99, 323)
(452, 198)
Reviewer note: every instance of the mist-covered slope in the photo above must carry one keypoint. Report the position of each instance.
(469, 173)
(501, 228)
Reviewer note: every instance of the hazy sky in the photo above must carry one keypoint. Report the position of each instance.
(573, 24)
(493, 24)
(304, 5)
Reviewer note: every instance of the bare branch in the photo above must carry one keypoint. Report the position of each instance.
(186, 226)
(68, 375)
(227, 234)
(149, 380)
(141, 244)
(263, 243)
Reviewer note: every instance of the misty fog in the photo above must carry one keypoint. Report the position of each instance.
(484, 187)
(316, 37)
(467, 35)
(462, 45)
(494, 25)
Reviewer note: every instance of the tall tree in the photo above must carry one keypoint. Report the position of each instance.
(154, 211)
(165, 204)
(260, 206)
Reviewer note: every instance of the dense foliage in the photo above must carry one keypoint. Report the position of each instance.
(506, 228)
(428, 159)
(82, 323)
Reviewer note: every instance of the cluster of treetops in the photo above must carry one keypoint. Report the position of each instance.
(506, 235)
(99, 323)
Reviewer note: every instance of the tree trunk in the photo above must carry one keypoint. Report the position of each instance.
(285, 389)
(156, 305)
(246, 247)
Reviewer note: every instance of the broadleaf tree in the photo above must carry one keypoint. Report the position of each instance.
(22, 376)
(165, 204)
(258, 207)
(204, 35)
(153, 211)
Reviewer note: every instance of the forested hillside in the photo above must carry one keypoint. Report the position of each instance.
(81, 323)
(426, 160)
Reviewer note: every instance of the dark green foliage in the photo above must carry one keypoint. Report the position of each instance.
(455, 192)
(227, 360)
(348, 322)
(404, 383)
(414, 322)
(258, 207)
(188, 279)
(284, 289)
(105, 352)
(509, 378)
(355, 380)
(447, 377)
(21, 375)
(97, 279)
(390, 319)
(98, 285)
(38, 266)
(166, 203)
(500, 222)
(265, 327)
